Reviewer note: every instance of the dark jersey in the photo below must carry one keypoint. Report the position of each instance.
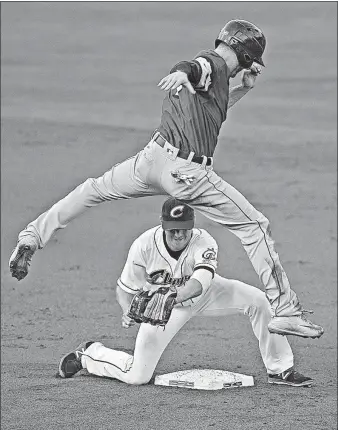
(192, 122)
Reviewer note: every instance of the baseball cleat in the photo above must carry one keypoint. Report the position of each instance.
(70, 364)
(21, 258)
(290, 377)
(297, 325)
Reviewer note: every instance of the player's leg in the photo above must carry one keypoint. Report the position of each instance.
(125, 180)
(229, 297)
(226, 297)
(219, 201)
(231, 209)
(134, 369)
(216, 199)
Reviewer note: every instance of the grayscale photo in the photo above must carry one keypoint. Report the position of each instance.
(203, 293)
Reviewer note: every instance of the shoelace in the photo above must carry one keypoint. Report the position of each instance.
(303, 315)
(28, 254)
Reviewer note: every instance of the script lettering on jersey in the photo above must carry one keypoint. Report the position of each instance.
(162, 277)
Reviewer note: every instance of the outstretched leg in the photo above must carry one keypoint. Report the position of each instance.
(231, 209)
(222, 203)
(229, 297)
(124, 181)
(226, 297)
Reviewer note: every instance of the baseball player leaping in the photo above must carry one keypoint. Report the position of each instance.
(178, 162)
(169, 277)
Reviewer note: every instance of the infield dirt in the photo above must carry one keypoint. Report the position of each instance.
(79, 94)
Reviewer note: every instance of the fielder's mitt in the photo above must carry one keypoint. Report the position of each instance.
(138, 306)
(153, 307)
(160, 306)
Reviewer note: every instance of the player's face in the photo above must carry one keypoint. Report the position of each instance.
(177, 239)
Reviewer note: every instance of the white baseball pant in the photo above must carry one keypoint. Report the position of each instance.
(224, 297)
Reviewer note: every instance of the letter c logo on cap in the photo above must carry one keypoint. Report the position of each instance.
(177, 211)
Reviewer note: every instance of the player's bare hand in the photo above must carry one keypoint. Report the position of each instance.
(126, 321)
(174, 80)
(249, 76)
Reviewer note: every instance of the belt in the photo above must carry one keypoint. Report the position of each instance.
(161, 141)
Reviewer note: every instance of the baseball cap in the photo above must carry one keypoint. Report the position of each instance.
(177, 215)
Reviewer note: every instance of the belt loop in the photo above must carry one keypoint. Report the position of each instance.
(210, 166)
(191, 156)
(204, 162)
(155, 135)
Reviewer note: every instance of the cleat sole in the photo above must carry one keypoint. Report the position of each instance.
(292, 333)
(304, 384)
(20, 271)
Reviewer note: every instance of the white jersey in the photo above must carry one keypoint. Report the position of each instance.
(150, 262)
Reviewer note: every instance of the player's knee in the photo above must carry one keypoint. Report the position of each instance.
(95, 190)
(258, 227)
(263, 222)
(260, 304)
(138, 380)
(262, 230)
(264, 225)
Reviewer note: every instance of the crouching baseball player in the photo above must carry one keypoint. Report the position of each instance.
(169, 277)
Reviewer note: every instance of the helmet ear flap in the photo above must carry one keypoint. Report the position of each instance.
(243, 57)
(247, 59)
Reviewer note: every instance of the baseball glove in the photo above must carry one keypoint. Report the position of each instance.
(138, 306)
(160, 306)
(153, 307)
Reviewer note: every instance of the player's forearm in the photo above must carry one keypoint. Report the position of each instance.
(123, 298)
(236, 93)
(191, 289)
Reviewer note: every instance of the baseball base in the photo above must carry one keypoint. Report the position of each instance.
(204, 379)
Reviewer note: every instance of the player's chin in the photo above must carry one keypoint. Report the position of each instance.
(178, 246)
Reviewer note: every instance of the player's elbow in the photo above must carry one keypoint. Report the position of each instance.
(198, 289)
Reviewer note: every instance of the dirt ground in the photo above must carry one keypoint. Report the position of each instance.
(79, 94)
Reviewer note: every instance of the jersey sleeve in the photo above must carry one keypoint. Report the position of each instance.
(206, 253)
(191, 68)
(133, 276)
(205, 79)
(199, 71)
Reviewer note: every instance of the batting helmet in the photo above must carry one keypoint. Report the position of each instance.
(247, 40)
